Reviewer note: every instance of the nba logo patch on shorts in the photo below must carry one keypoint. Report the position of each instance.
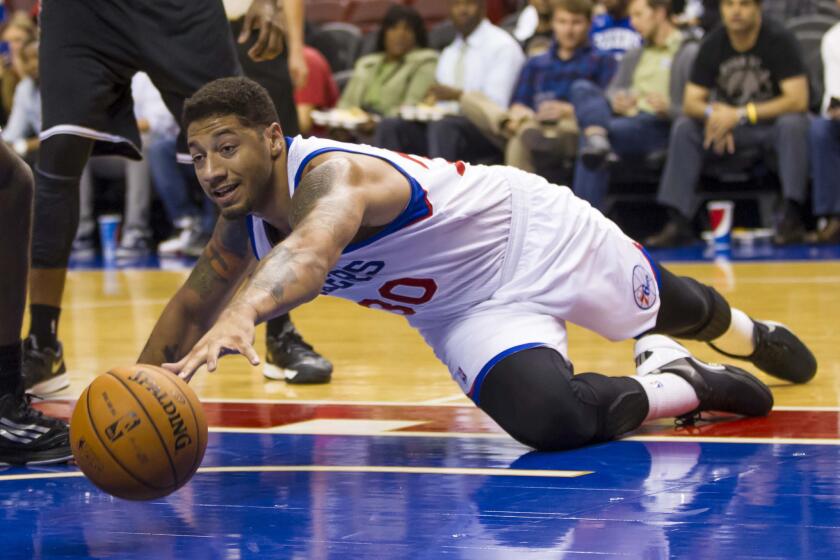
(644, 287)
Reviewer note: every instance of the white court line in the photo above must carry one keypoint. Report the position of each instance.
(450, 399)
(341, 469)
(498, 435)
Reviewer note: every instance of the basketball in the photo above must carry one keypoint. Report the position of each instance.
(138, 432)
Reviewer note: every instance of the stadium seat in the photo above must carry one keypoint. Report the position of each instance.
(339, 42)
(325, 11)
(441, 35)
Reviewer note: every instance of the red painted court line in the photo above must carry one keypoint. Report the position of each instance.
(780, 424)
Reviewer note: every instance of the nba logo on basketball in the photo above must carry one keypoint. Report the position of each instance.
(644, 288)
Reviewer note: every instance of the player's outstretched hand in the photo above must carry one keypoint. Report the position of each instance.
(233, 333)
(266, 18)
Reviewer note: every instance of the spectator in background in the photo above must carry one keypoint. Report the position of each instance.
(319, 92)
(136, 232)
(399, 72)
(612, 31)
(19, 30)
(825, 142)
(24, 124)
(633, 119)
(482, 58)
(748, 89)
(540, 122)
(533, 27)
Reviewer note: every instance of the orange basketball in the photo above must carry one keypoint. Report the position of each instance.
(138, 432)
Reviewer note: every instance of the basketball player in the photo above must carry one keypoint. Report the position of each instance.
(488, 263)
(89, 51)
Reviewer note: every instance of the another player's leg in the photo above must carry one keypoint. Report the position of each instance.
(26, 436)
(290, 357)
(691, 310)
(56, 218)
(534, 396)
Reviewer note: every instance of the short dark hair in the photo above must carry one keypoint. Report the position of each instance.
(577, 7)
(243, 98)
(396, 14)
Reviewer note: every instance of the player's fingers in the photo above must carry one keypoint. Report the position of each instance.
(247, 25)
(256, 52)
(274, 45)
(214, 351)
(195, 360)
(248, 351)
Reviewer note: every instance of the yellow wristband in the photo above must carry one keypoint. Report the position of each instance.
(752, 113)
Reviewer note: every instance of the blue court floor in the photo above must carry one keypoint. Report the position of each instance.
(305, 496)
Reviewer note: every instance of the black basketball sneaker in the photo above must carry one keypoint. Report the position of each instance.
(779, 352)
(290, 357)
(723, 388)
(44, 372)
(27, 437)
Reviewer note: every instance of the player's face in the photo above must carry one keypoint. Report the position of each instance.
(233, 163)
(740, 16)
(466, 14)
(644, 19)
(399, 40)
(570, 29)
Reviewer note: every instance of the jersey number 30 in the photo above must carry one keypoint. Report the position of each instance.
(422, 290)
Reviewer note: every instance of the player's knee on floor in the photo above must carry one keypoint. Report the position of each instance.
(690, 309)
(534, 397)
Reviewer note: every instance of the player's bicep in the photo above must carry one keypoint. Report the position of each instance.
(225, 261)
(328, 207)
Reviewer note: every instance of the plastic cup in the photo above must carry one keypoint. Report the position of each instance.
(720, 218)
(109, 226)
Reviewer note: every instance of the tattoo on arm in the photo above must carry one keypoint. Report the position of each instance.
(171, 353)
(276, 272)
(217, 264)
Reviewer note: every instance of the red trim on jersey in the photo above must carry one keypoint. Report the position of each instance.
(414, 159)
(460, 167)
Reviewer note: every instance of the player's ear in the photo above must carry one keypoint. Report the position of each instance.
(275, 139)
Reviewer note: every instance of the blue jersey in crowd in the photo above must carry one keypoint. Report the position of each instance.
(613, 35)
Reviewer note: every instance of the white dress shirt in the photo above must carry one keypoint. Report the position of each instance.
(491, 62)
(25, 119)
(831, 64)
(149, 105)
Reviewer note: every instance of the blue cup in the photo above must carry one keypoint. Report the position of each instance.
(109, 229)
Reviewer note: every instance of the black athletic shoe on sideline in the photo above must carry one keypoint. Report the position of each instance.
(27, 437)
(289, 357)
(44, 372)
(779, 352)
(719, 387)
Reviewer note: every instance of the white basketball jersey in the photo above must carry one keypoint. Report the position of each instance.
(442, 255)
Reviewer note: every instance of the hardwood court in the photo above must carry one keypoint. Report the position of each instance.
(378, 357)
(391, 461)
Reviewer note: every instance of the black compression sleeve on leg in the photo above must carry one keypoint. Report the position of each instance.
(534, 397)
(689, 309)
(61, 160)
(56, 219)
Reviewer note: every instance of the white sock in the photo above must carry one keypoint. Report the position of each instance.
(668, 394)
(738, 339)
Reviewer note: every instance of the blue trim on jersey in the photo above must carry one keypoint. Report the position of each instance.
(289, 141)
(417, 209)
(475, 390)
(656, 272)
(252, 236)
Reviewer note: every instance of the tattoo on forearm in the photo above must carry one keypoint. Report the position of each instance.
(276, 272)
(171, 353)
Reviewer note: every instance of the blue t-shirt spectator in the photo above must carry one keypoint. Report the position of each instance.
(547, 77)
(613, 35)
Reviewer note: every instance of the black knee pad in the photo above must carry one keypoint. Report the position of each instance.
(56, 218)
(620, 403)
(535, 398)
(689, 309)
